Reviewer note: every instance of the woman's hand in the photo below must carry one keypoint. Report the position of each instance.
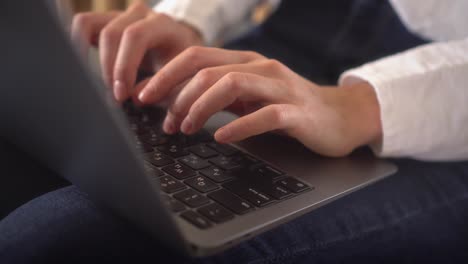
(267, 95)
(127, 41)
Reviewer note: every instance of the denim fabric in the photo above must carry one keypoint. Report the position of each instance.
(418, 215)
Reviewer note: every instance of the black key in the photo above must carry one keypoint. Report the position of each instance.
(247, 160)
(142, 146)
(216, 213)
(203, 151)
(156, 115)
(196, 219)
(158, 159)
(245, 173)
(173, 204)
(180, 140)
(293, 184)
(231, 201)
(276, 191)
(200, 136)
(249, 192)
(226, 163)
(145, 149)
(145, 119)
(191, 198)
(190, 140)
(139, 129)
(202, 184)
(269, 172)
(154, 138)
(175, 139)
(170, 185)
(131, 109)
(179, 171)
(152, 170)
(224, 149)
(173, 150)
(216, 174)
(194, 162)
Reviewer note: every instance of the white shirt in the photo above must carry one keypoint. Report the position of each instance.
(422, 92)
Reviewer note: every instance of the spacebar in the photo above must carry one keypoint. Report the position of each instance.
(231, 201)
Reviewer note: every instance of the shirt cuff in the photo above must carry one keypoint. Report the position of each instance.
(422, 99)
(189, 11)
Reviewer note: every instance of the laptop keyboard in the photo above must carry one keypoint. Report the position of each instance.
(204, 182)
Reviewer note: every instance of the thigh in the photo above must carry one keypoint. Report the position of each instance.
(417, 214)
(65, 225)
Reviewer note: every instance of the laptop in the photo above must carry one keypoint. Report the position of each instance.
(192, 194)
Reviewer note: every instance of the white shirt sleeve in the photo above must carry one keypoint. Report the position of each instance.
(423, 92)
(434, 19)
(212, 18)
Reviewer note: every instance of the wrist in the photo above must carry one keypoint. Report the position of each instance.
(363, 111)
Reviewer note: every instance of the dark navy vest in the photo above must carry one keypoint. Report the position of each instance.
(321, 38)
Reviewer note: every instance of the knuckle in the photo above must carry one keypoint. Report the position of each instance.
(110, 34)
(203, 77)
(233, 82)
(231, 79)
(274, 65)
(278, 114)
(134, 32)
(193, 53)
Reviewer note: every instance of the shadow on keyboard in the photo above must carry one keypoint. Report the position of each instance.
(204, 182)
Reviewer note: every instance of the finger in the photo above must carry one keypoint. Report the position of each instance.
(137, 40)
(268, 118)
(171, 123)
(233, 86)
(140, 86)
(86, 27)
(168, 121)
(207, 77)
(186, 65)
(109, 41)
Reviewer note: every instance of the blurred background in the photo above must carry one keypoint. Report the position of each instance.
(74, 6)
(70, 7)
(100, 5)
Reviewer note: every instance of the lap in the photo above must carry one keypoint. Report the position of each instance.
(417, 214)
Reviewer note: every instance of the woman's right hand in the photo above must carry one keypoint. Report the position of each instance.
(130, 40)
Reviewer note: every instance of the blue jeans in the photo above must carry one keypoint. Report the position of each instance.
(416, 215)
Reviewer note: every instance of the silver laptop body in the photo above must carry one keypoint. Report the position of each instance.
(58, 112)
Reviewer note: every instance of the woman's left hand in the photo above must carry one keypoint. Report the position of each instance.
(267, 95)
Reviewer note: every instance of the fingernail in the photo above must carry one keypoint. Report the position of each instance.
(119, 91)
(168, 126)
(222, 135)
(187, 125)
(142, 96)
